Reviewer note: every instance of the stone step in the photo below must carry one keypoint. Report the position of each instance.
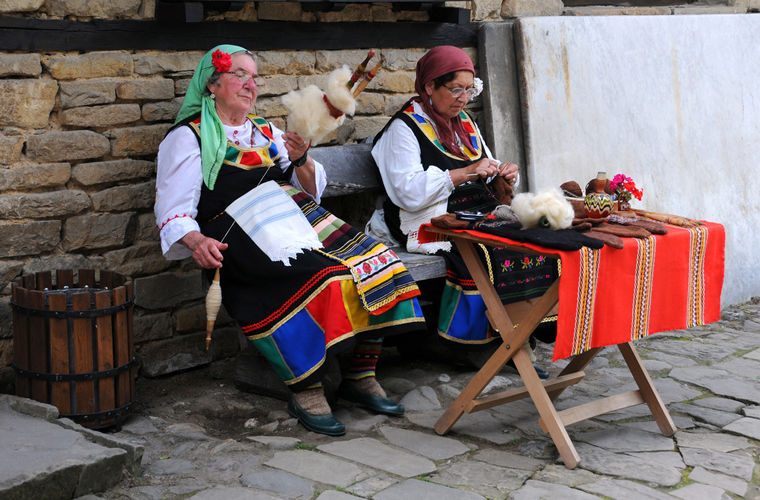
(47, 457)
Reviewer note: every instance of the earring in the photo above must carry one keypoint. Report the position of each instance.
(213, 96)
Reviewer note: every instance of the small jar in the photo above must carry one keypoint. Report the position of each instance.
(598, 203)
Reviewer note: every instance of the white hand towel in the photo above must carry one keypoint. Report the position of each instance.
(274, 222)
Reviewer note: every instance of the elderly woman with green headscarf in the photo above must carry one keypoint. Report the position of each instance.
(342, 291)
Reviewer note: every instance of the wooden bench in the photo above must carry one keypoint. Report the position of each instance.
(352, 177)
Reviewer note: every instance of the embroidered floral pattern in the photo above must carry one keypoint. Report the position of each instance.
(376, 263)
(222, 61)
(525, 263)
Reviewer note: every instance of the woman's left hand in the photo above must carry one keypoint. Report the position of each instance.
(509, 172)
(296, 146)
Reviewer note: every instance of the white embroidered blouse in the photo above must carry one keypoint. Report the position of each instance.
(179, 180)
(408, 185)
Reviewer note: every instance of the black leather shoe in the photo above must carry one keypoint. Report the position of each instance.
(370, 401)
(323, 424)
(542, 374)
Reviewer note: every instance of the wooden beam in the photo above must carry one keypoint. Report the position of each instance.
(597, 407)
(503, 397)
(25, 34)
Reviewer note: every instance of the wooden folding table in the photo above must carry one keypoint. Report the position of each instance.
(515, 322)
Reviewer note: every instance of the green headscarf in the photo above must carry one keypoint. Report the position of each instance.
(197, 98)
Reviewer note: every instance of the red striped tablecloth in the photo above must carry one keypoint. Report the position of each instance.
(610, 296)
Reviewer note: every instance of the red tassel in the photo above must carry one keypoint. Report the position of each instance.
(334, 112)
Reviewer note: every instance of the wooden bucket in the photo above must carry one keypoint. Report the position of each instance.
(73, 344)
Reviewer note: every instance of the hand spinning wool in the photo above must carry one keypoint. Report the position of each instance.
(313, 113)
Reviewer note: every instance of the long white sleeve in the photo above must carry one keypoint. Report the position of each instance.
(178, 190)
(407, 183)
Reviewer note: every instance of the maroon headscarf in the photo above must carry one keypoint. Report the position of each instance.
(439, 61)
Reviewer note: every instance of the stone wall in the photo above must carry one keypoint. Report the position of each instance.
(79, 134)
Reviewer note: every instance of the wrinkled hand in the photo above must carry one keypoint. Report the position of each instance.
(207, 252)
(509, 171)
(296, 146)
(483, 168)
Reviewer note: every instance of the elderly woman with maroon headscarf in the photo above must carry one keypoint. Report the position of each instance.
(433, 160)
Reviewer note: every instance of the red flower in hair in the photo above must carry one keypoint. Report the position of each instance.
(221, 61)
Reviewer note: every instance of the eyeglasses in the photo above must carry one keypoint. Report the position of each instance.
(457, 92)
(244, 77)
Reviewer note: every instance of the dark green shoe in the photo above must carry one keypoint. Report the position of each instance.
(322, 424)
(370, 401)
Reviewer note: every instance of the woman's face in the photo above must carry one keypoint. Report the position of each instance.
(235, 91)
(443, 101)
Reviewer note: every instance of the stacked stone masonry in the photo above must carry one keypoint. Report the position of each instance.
(79, 134)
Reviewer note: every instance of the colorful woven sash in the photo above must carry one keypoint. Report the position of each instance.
(427, 128)
(381, 278)
(249, 158)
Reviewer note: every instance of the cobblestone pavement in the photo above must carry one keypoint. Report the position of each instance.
(205, 439)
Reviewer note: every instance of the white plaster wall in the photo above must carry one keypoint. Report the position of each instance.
(671, 101)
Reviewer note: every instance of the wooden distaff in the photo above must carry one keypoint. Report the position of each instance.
(213, 303)
(359, 71)
(675, 220)
(369, 76)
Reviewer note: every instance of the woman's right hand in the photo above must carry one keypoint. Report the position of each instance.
(483, 168)
(207, 252)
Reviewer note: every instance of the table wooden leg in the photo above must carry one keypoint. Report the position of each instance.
(476, 385)
(647, 388)
(578, 363)
(546, 409)
(526, 316)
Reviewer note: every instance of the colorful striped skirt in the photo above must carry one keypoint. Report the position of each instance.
(326, 300)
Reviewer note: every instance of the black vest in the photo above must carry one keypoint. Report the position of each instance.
(473, 196)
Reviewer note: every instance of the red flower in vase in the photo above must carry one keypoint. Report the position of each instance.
(624, 188)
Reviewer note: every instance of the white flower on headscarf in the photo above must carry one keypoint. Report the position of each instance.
(477, 84)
